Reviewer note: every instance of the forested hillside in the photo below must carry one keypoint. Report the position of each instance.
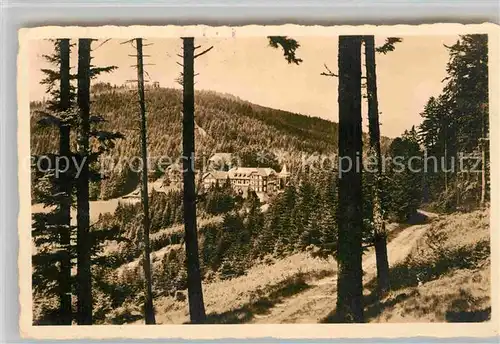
(455, 129)
(224, 123)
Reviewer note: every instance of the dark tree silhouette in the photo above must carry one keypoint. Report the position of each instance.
(388, 45)
(65, 184)
(404, 187)
(195, 292)
(104, 140)
(84, 279)
(289, 46)
(149, 313)
(379, 211)
(349, 217)
(52, 232)
(456, 122)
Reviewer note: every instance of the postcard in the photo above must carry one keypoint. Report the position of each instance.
(287, 182)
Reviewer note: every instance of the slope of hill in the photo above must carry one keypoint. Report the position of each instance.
(224, 124)
(446, 277)
(439, 272)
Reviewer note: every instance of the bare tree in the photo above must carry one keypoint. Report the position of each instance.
(84, 279)
(379, 211)
(350, 219)
(195, 292)
(149, 313)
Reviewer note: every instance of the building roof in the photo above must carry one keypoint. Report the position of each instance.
(246, 172)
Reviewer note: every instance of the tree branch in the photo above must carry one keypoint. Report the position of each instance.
(289, 46)
(100, 45)
(329, 72)
(203, 52)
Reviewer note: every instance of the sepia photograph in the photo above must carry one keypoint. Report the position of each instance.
(270, 177)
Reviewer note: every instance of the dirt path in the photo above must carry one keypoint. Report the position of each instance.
(318, 301)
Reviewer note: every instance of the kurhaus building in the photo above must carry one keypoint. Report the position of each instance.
(243, 179)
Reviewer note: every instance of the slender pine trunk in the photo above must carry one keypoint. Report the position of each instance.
(350, 223)
(84, 275)
(195, 292)
(65, 187)
(149, 313)
(380, 235)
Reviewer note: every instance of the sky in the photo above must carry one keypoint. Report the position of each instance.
(250, 69)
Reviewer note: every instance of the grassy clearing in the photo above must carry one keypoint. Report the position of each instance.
(262, 300)
(440, 272)
(446, 277)
(240, 299)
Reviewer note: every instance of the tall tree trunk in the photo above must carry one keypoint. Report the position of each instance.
(195, 292)
(379, 211)
(65, 187)
(149, 313)
(350, 219)
(84, 276)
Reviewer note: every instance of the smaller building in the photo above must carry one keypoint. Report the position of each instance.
(212, 178)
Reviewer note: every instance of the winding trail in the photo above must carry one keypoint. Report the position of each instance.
(318, 301)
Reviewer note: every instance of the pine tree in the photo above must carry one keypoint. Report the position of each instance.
(328, 224)
(306, 206)
(288, 45)
(52, 232)
(284, 226)
(349, 217)
(406, 184)
(66, 184)
(255, 217)
(467, 90)
(456, 122)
